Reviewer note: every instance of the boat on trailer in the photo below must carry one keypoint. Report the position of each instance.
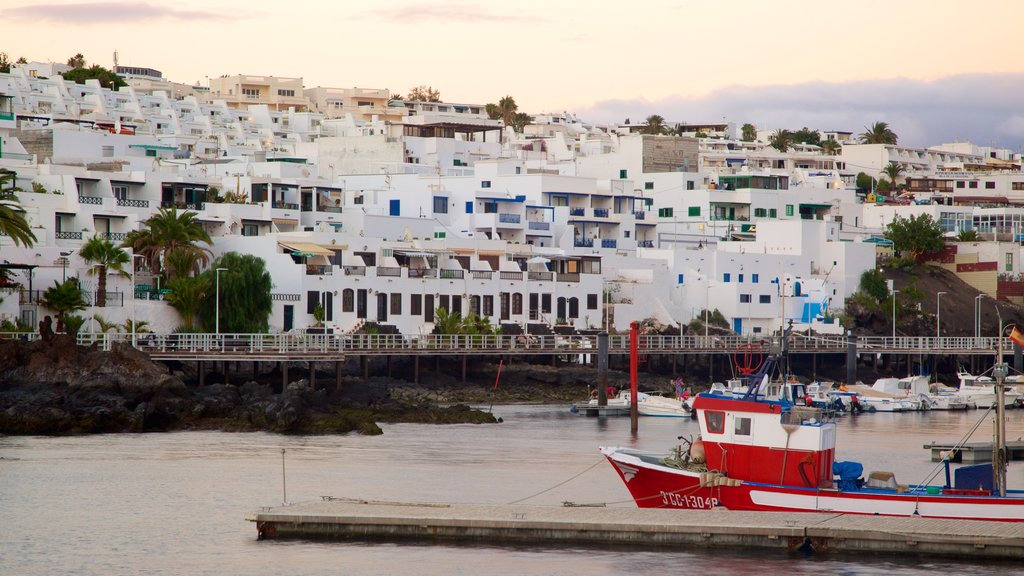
(756, 453)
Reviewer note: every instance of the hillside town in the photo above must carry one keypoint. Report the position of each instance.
(369, 207)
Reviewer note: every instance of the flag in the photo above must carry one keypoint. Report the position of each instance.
(1017, 337)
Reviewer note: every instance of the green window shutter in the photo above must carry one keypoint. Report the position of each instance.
(773, 213)
(789, 209)
(693, 211)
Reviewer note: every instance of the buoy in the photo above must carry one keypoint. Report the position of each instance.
(697, 451)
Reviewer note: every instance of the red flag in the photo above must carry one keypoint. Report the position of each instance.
(1017, 337)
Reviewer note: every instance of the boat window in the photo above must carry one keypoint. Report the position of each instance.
(716, 422)
(742, 427)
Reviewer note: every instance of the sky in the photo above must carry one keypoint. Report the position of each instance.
(935, 70)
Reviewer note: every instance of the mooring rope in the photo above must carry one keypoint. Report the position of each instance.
(588, 469)
(956, 448)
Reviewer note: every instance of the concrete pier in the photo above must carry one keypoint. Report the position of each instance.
(345, 519)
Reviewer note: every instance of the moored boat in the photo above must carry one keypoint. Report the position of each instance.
(756, 453)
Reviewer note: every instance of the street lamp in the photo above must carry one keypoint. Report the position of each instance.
(977, 315)
(938, 314)
(216, 321)
(894, 293)
(134, 256)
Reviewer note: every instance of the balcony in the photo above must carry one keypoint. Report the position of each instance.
(583, 243)
(318, 270)
(510, 275)
(391, 271)
(577, 211)
(354, 270)
(452, 274)
(334, 209)
(539, 225)
(285, 205)
(482, 274)
(609, 243)
(182, 205)
(94, 200)
(640, 215)
(68, 235)
(422, 273)
(509, 218)
(600, 212)
(540, 276)
(112, 236)
(568, 277)
(129, 203)
(645, 243)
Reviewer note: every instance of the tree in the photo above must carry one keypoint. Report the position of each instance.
(831, 147)
(186, 296)
(965, 235)
(915, 235)
(873, 283)
(878, 133)
(107, 78)
(166, 232)
(807, 136)
(245, 303)
(503, 110)
(865, 183)
(5, 63)
(424, 93)
(63, 298)
(781, 139)
(654, 124)
(14, 225)
(447, 322)
(520, 120)
(108, 258)
(77, 61)
(748, 132)
(893, 170)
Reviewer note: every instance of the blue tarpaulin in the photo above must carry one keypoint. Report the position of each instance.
(849, 473)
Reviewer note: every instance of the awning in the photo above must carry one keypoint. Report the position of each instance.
(291, 221)
(519, 198)
(307, 248)
(152, 147)
(110, 216)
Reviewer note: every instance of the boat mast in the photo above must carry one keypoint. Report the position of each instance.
(1000, 371)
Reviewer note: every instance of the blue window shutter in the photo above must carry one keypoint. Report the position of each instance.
(754, 278)
(680, 281)
(726, 277)
(395, 208)
(469, 207)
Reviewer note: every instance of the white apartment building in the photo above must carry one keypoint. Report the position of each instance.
(241, 91)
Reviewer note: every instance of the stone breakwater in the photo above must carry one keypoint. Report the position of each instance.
(53, 386)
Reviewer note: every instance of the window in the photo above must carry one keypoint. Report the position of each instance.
(692, 211)
(689, 184)
(517, 303)
(740, 279)
(545, 303)
(485, 183)
(488, 305)
(440, 204)
(1009, 262)
(741, 426)
(961, 184)
(665, 212)
(744, 298)
(250, 230)
(789, 209)
(120, 192)
(312, 299)
(251, 92)
(715, 422)
(416, 304)
(726, 277)
(990, 185)
(440, 234)
(591, 301)
(348, 300)
(396, 303)
(574, 307)
(764, 299)
(760, 212)
(469, 206)
(623, 174)
(288, 93)
(754, 278)
(1017, 186)
(679, 279)
(773, 213)
(648, 185)
(972, 184)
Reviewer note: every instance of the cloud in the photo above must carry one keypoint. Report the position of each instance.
(108, 12)
(981, 108)
(466, 13)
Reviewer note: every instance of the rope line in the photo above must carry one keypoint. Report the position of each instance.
(956, 448)
(588, 469)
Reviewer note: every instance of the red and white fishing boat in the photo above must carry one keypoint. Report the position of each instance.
(779, 455)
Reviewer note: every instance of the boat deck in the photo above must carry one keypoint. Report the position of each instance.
(345, 519)
(973, 452)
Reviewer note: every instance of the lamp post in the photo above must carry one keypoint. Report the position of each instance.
(894, 293)
(134, 256)
(938, 314)
(977, 315)
(216, 321)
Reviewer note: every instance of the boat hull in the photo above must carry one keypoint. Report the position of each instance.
(654, 485)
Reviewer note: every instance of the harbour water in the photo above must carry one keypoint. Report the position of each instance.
(175, 503)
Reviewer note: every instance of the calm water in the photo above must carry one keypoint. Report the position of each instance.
(175, 503)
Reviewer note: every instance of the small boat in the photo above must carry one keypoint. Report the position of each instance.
(981, 390)
(755, 453)
(875, 399)
(649, 404)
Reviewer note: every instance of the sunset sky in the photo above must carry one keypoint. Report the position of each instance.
(936, 70)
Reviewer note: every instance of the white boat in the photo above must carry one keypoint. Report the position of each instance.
(875, 399)
(649, 404)
(981, 390)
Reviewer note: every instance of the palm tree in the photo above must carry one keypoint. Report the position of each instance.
(14, 225)
(186, 296)
(655, 124)
(447, 322)
(878, 133)
(831, 147)
(503, 110)
(64, 298)
(781, 139)
(168, 231)
(893, 170)
(108, 258)
(748, 132)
